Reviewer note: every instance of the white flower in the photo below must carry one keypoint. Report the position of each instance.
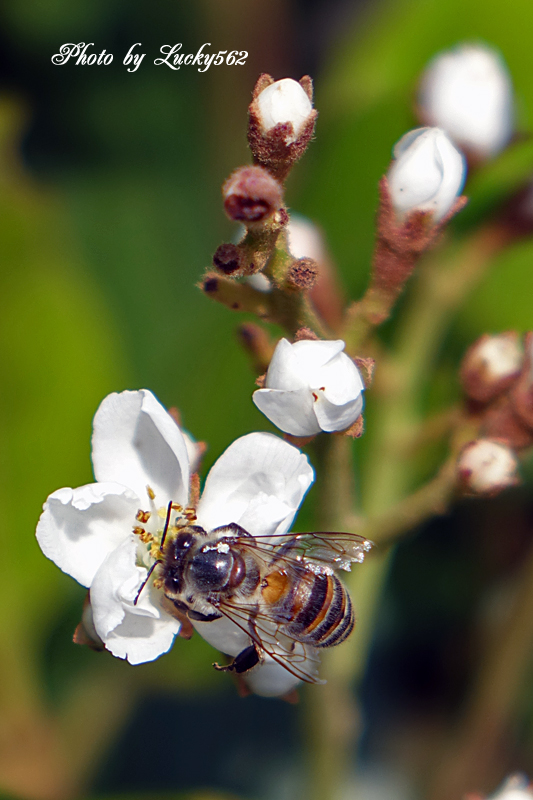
(468, 92)
(140, 463)
(311, 386)
(284, 101)
(428, 173)
(516, 787)
(486, 467)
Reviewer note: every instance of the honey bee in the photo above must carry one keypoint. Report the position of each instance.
(281, 591)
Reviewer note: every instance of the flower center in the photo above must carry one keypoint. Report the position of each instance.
(158, 524)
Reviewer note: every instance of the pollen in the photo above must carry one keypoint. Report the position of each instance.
(177, 507)
(158, 583)
(155, 551)
(143, 516)
(190, 513)
(151, 493)
(143, 534)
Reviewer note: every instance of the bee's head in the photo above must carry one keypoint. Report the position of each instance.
(177, 551)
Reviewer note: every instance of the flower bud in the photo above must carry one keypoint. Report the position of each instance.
(311, 386)
(227, 258)
(286, 103)
(467, 91)
(303, 273)
(427, 174)
(251, 195)
(486, 467)
(491, 365)
(281, 122)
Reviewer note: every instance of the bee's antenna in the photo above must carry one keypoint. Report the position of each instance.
(143, 584)
(154, 565)
(167, 522)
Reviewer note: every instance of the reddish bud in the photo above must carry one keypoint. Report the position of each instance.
(227, 258)
(251, 195)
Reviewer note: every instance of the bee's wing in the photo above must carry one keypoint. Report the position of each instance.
(333, 550)
(302, 660)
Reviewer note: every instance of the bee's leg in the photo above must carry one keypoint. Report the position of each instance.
(246, 660)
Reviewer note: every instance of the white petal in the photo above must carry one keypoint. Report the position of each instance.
(137, 443)
(270, 679)
(294, 365)
(428, 173)
(284, 101)
(338, 388)
(259, 464)
(284, 371)
(194, 451)
(332, 417)
(80, 527)
(224, 635)
(140, 639)
(139, 632)
(312, 355)
(340, 378)
(291, 411)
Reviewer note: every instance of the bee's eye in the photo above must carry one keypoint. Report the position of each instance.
(173, 585)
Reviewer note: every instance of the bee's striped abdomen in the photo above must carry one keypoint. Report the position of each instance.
(324, 612)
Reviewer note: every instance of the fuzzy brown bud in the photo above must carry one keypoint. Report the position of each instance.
(491, 365)
(227, 258)
(251, 195)
(303, 273)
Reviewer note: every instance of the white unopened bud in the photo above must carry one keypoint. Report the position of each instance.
(281, 102)
(491, 365)
(486, 467)
(427, 175)
(311, 386)
(468, 92)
